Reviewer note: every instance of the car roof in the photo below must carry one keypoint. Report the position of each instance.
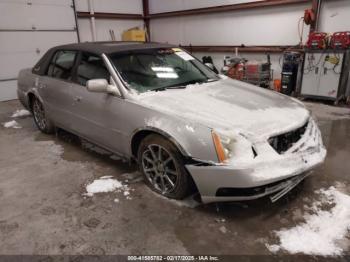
(111, 47)
(96, 48)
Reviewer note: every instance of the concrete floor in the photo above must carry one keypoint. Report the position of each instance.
(43, 210)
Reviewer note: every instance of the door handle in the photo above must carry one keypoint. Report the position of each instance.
(78, 98)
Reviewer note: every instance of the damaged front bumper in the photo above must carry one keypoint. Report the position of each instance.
(276, 173)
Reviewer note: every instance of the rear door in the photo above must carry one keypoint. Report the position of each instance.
(54, 87)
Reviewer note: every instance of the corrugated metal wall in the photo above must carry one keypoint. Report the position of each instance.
(261, 26)
(29, 27)
(103, 25)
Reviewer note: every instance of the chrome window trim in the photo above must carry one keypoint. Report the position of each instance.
(123, 89)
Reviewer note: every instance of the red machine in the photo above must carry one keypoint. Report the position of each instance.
(340, 40)
(317, 40)
(236, 71)
(309, 16)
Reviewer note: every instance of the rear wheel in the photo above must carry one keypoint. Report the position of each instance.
(162, 165)
(44, 124)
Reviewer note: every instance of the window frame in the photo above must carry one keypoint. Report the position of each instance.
(72, 76)
(75, 68)
(127, 86)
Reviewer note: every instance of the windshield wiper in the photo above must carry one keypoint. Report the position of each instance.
(163, 88)
(184, 85)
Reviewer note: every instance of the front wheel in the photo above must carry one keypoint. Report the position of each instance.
(162, 165)
(44, 124)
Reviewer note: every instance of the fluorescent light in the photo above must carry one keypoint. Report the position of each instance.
(167, 75)
(162, 69)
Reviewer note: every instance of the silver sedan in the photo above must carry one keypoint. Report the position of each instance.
(187, 128)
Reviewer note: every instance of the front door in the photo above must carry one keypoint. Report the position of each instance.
(97, 116)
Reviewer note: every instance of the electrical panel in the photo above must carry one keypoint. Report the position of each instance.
(325, 74)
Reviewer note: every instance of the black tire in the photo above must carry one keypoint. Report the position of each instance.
(41, 120)
(182, 182)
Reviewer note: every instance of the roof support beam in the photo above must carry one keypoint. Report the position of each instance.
(99, 15)
(227, 8)
(198, 11)
(145, 6)
(243, 49)
(316, 7)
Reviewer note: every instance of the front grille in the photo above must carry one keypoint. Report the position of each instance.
(283, 142)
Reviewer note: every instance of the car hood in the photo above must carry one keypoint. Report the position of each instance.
(231, 105)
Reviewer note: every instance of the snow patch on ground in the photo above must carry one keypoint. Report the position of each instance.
(55, 150)
(326, 226)
(21, 113)
(12, 124)
(220, 220)
(115, 157)
(223, 229)
(106, 177)
(103, 185)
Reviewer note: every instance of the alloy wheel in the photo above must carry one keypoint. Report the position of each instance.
(160, 168)
(39, 114)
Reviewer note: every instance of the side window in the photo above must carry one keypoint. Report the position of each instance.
(91, 67)
(61, 65)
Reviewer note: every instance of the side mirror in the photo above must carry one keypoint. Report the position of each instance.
(97, 85)
(101, 86)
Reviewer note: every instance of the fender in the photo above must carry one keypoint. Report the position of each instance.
(160, 132)
(33, 91)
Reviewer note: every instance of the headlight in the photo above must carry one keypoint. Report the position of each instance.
(233, 147)
(223, 146)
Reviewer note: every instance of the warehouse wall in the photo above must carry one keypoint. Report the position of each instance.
(27, 29)
(158, 6)
(265, 26)
(335, 16)
(102, 28)
(249, 27)
(104, 25)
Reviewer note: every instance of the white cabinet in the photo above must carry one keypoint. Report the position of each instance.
(323, 74)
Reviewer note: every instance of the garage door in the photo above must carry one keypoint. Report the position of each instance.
(28, 28)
